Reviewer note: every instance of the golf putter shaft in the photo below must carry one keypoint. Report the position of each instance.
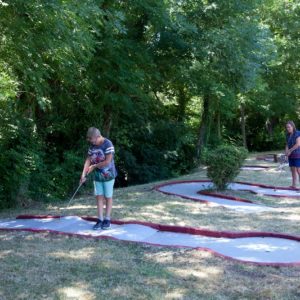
(280, 168)
(78, 188)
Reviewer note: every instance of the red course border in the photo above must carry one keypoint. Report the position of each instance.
(172, 228)
(267, 157)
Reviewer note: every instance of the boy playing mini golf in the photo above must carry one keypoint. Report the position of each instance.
(101, 160)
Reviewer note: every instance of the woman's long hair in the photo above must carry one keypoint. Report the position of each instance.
(292, 124)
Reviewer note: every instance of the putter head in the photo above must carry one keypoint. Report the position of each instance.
(282, 159)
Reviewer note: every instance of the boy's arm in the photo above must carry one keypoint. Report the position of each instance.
(108, 159)
(85, 170)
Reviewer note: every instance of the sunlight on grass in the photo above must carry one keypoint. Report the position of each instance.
(75, 292)
(176, 294)
(82, 254)
(81, 207)
(208, 273)
(3, 254)
(293, 217)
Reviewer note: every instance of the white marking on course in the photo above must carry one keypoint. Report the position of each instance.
(191, 189)
(251, 249)
(252, 168)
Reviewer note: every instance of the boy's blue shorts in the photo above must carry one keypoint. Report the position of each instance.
(105, 188)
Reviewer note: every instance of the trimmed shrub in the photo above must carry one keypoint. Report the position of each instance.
(224, 163)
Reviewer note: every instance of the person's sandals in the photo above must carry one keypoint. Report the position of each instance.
(105, 224)
(293, 187)
(98, 225)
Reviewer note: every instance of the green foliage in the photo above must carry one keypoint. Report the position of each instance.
(161, 79)
(160, 151)
(224, 163)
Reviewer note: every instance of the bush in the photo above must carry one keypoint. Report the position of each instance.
(31, 170)
(223, 164)
(57, 178)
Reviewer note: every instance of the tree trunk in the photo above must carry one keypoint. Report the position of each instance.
(182, 101)
(203, 125)
(107, 122)
(243, 125)
(270, 125)
(219, 121)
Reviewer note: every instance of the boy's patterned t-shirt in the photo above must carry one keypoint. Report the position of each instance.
(97, 154)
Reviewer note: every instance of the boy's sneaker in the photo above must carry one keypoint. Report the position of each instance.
(105, 224)
(98, 225)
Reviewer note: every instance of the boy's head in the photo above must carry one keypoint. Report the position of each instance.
(92, 135)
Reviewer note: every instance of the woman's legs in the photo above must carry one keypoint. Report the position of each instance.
(294, 176)
(298, 173)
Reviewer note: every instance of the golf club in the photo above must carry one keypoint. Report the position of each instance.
(76, 191)
(282, 164)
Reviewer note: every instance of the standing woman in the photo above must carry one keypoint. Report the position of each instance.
(292, 150)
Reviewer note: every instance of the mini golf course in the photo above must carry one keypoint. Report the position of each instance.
(262, 248)
(197, 190)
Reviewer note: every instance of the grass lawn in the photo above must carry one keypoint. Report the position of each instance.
(47, 266)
